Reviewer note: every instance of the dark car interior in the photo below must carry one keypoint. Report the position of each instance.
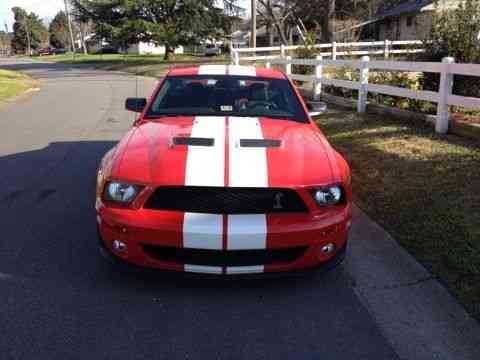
(228, 95)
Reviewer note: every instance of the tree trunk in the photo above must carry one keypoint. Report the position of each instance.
(331, 20)
(82, 38)
(168, 53)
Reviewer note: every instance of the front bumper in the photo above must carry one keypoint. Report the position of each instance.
(154, 239)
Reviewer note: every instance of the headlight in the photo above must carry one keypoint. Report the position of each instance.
(121, 192)
(328, 196)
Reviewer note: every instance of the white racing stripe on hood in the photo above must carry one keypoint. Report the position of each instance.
(205, 167)
(212, 70)
(206, 164)
(242, 70)
(247, 168)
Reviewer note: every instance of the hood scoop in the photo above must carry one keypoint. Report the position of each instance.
(260, 143)
(193, 141)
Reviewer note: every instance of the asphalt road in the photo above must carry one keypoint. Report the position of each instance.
(60, 300)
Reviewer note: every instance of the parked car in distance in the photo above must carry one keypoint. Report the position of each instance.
(44, 51)
(59, 51)
(211, 50)
(224, 172)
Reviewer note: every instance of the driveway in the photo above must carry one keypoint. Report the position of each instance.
(61, 300)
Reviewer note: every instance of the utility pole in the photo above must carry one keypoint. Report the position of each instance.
(72, 43)
(254, 24)
(27, 32)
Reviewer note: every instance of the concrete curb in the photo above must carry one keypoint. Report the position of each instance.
(417, 315)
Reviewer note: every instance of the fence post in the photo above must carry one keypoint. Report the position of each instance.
(282, 51)
(362, 91)
(387, 49)
(288, 66)
(445, 89)
(317, 84)
(334, 50)
(268, 65)
(236, 60)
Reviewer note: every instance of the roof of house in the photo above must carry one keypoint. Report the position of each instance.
(405, 8)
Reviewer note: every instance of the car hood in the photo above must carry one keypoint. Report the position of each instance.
(225, 151)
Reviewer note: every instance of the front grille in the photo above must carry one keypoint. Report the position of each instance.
(225, 200)
(224, 257)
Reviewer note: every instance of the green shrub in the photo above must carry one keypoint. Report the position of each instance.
(307, 51)
(455, 33)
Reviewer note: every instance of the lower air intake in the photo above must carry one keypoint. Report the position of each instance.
(224, 257)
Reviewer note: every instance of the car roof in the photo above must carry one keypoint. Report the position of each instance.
(227, 70)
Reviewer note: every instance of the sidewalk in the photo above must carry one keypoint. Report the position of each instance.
(417, 315)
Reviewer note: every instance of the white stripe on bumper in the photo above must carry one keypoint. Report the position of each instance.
(236, 270)
(246, 232)
(203, 269)
(202, 231)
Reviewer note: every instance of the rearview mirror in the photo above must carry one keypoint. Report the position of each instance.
(316, 108)
(135, 104)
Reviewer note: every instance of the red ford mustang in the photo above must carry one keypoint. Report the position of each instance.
(224, 172)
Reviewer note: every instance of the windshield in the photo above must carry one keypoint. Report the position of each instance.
(226, 95)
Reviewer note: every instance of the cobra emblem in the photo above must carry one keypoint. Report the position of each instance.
(278, 201)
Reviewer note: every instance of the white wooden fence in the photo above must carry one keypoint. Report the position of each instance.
(444, 97)
(333, 50)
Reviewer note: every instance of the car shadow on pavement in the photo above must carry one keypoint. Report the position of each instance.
(49, 227)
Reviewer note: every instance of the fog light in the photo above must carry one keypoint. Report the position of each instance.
(329, 248)
(119, 246)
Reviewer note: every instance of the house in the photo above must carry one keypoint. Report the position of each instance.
(410, 20)
(144, 48)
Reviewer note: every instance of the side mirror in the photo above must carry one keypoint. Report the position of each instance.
(135, 104)
(316, 108)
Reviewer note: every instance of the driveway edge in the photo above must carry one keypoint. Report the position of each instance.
(417, 315)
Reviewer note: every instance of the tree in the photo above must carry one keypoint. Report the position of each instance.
(164, 22)
(317, 15)
(455, 33)
(28, 31)
(59, 36)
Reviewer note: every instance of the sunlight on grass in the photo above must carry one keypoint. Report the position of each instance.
(423, 188)
(148, 65)
(13, 84)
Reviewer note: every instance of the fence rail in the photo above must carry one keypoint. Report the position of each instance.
(444, 97)
(333, 50)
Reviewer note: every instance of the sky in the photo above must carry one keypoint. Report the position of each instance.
(43, 8)
(46, 9)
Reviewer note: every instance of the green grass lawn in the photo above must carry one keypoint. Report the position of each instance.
(423, 188)
(149, 65)
(13, 84)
